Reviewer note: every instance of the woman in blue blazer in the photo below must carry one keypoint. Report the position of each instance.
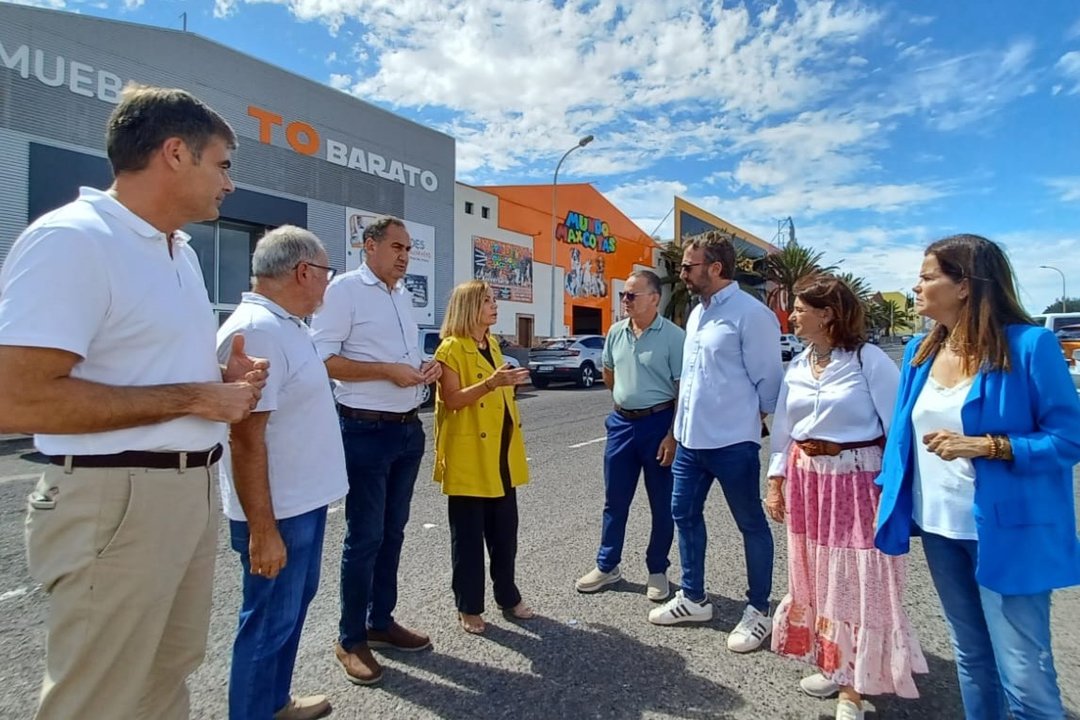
(979, 462)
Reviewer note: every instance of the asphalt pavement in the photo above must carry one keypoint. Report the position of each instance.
(584, 656)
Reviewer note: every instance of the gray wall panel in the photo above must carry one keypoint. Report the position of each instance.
(14, 171)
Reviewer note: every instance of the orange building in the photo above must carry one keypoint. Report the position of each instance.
(596, 246)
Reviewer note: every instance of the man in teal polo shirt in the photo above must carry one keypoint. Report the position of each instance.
(642, 362)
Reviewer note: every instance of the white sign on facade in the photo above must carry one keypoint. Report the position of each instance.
(419, 278)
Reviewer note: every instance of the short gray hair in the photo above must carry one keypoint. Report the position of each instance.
(651, 279)
(279, 251)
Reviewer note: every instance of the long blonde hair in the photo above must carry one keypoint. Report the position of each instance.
(462, 317)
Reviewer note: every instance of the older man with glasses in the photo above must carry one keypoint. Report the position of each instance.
(642, 361)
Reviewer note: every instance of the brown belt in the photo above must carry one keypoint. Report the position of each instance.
(827, 447)
(636, 414)
(376, 415)
(142, 459)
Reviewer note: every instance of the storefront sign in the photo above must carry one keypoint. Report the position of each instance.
(590, 233)
(56, 71)
(306, 140)
(506, 267)
(419, 278)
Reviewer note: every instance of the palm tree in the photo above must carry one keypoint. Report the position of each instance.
(858, 286)
(678, 304)
(787, 267)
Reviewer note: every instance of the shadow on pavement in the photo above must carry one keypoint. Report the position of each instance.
(576, 671)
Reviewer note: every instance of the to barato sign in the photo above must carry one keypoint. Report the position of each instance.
(56, 71)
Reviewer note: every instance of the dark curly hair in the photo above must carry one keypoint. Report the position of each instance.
(847, 329)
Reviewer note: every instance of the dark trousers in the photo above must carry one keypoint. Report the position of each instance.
(382, 460)
(631, 449)
(475, 522)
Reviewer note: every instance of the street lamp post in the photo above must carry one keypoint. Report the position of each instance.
(554, 186)
(1063, 295)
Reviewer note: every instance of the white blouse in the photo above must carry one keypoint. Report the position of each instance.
(943, 491)
(850, 402)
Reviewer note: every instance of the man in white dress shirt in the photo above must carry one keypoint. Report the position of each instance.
(107, 354)
(287, 465)
(367, 337)
(731, 378)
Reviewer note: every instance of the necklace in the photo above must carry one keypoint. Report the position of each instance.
(819, 356)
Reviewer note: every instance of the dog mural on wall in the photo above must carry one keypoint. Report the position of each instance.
(582, 280)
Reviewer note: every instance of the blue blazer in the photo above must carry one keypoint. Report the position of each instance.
(1025, 515)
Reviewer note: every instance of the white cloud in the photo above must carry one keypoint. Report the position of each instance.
(52, 4)
(1069, 66)
(133, 4)
(1068, 188)
(1074, 30)
(339, 81)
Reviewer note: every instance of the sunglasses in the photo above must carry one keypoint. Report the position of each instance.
(687, 267)
(632, 296)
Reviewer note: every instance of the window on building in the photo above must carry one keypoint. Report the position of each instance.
(224, 248)
(485, 212)
(468, 208)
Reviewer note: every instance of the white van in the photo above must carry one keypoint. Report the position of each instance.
(1055, 321)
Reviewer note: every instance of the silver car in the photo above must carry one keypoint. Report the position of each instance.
(429, 343)
(575, 359)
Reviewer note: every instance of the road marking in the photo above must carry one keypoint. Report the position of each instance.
(17, 478)
(17, 592)
(589, 442)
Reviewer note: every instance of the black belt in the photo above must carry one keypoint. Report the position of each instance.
(180, 460)
(636, 414)
(377, 415)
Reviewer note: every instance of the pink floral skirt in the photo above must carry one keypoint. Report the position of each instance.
(843, 611)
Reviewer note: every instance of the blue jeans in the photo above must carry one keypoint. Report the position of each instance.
(631, 448)
(738, 469)
(271, 617)
(1002, 642)
(382, 460)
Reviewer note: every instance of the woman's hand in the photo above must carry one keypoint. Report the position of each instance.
(774, 499)
(949, 445)
(507, 376)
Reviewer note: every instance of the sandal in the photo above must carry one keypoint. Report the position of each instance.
(472, 624)
(521, 611)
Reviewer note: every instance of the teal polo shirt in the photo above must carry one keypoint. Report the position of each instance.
(646, 367)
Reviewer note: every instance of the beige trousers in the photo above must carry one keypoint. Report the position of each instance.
(127, 558)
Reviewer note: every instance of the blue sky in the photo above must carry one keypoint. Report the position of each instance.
(877, 126)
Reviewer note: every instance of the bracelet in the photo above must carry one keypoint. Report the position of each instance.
(997, 449)
(487, 385)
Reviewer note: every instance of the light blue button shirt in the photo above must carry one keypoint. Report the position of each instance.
(731, 371)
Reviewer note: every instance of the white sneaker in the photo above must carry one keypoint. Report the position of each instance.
(657, 588)
(847, 710)
(750, 632)
(819, 686)
(679, 610)
(596, 579)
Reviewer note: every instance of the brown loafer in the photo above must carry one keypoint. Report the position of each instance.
(361, 667)
(398, 638)
(304, 708)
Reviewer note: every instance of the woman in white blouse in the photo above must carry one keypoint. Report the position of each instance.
(843, 610)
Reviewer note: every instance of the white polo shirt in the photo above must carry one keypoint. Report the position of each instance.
(305, 457)
(97, 280)
(360, 319)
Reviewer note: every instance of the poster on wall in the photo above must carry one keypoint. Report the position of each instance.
(506, 267)
(616, 301)
(419, 278)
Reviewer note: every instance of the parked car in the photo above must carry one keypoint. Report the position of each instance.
(1069, 337)
(1075, 369)
(429, 343)
(569, 359)
(906, 338)
(790, 346)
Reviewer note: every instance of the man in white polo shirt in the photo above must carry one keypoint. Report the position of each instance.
(287, 465)
(366, 334)
(730, 380)
(107, 354)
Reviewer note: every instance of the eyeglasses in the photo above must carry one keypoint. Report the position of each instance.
(632, 296)
(686, 267)
(329, 270)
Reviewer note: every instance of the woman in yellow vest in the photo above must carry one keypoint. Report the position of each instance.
(479, 454)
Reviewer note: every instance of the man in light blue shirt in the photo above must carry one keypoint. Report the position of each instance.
(642, 361)
(730, 380)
